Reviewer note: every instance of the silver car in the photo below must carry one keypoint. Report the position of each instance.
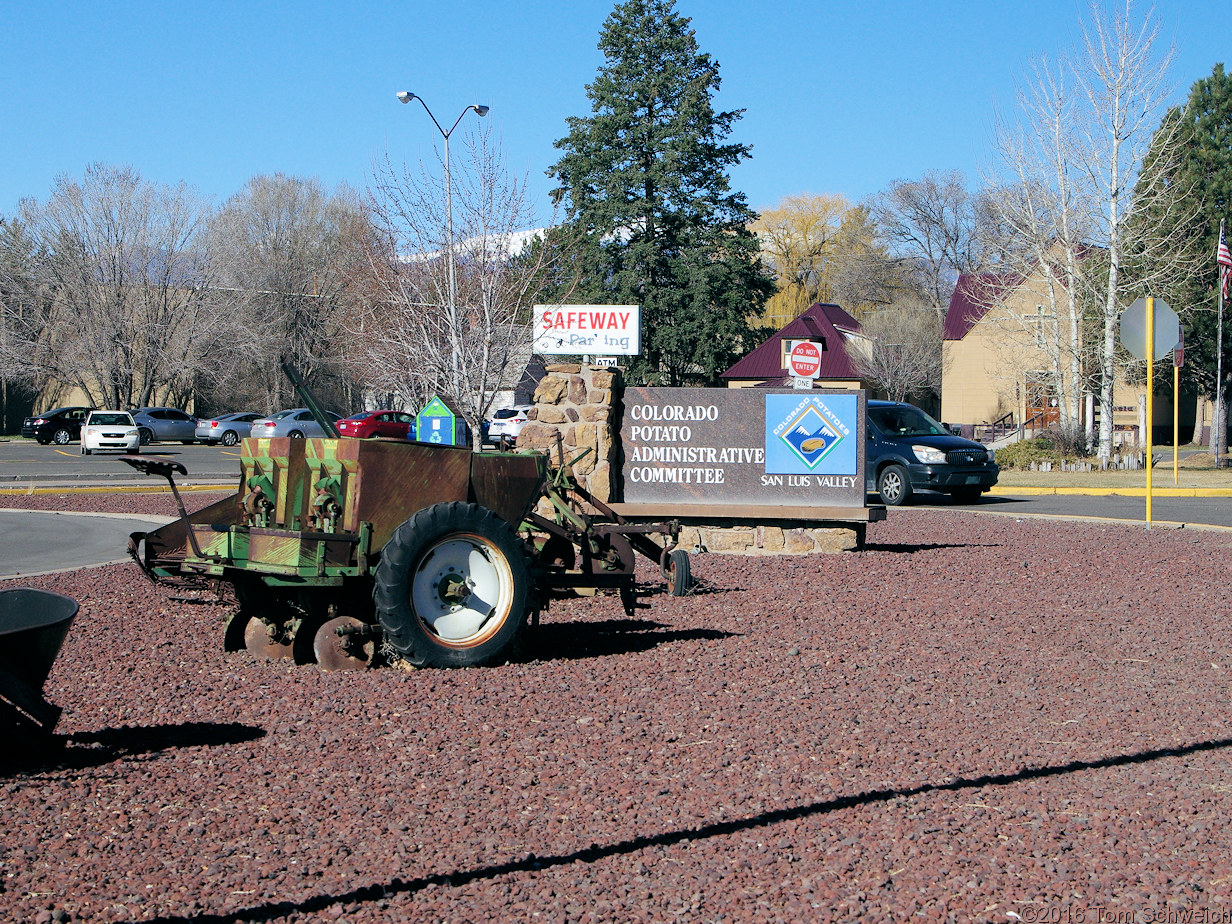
(165, 424)
(296, 423)
(227, 429)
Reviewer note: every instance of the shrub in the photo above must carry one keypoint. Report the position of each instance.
(1054, 446)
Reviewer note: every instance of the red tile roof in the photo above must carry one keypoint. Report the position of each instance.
(974, 294)
(828, 321)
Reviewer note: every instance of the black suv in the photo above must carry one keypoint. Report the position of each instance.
(61, 426)
(908, 451)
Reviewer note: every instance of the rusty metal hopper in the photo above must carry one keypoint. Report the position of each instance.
(33, 626)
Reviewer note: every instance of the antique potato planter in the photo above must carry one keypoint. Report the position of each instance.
(339, 549)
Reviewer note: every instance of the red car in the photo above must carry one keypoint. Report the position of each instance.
(377, 423)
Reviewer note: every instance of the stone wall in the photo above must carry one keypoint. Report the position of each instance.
(581, 404)
(578, 403)
(768, 540)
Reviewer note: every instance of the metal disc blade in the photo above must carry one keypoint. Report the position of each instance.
(341, 652)
(258, 640)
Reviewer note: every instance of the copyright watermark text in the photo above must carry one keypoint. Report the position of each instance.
(1030, 914)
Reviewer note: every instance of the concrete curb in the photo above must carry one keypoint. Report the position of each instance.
(1010, 491)
(115, 489)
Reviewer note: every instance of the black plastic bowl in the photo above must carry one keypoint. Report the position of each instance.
(33, 626)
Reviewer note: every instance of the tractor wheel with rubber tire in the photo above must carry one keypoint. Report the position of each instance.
(61, 437)
(452, 587)
(146, 436)
(894, 486)
(680, 577)
(230, 438)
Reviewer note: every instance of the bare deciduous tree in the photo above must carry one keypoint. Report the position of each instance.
(1071, 212)
(1043, 222)
(1122, 79)
(902, 352)
(109, 290)
(934, 223)
(288, 252)
(413, 341)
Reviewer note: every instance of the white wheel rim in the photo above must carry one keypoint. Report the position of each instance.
(462, 590)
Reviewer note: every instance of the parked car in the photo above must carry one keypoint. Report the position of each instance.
(227, 429)
(60, 426)
(377, 423)
(297, 423)
(165, 424)
(110, 430)
(908, 451)
(507, 423)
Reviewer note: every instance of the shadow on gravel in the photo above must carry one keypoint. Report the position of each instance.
(567, 641)
(272, 911)
(925, 546)
(81, 750)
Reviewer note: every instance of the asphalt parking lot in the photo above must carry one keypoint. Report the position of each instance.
(26, 463)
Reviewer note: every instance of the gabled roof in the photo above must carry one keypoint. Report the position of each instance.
(820, 321)
(974, 294)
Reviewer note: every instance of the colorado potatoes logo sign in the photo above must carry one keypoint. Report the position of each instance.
(810, 436)
(801, 433)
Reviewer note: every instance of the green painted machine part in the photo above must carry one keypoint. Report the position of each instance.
(438, 554)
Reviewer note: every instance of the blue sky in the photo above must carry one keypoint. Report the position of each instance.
(840, 97)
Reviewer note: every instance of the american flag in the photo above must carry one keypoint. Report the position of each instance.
(1224, 259)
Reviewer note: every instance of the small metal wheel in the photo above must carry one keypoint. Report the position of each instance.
(679, 575)
(557, 551)
(353, 650)
(230, 438)
(247, 631)
(894, 486)
(61, 437)
(267, 639)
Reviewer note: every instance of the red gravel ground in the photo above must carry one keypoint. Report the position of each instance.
(975, 719)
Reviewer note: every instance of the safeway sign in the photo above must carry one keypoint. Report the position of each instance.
(804, 361)
(609, 330)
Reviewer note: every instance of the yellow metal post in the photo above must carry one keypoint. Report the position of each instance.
(1150, 386)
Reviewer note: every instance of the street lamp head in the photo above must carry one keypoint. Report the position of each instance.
(482, 110)
(405, 96)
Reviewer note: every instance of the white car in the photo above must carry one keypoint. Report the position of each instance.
(507, 423)
(110, 430)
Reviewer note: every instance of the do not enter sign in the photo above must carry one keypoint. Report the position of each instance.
(805, 360)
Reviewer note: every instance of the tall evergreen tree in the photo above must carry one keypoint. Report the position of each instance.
(644, 180)
(1192, 150)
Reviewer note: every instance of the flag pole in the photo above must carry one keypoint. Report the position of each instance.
(1218, 430)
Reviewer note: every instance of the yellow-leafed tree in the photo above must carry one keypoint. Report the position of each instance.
(819, 248)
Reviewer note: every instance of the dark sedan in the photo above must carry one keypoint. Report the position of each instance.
(908, 451)
(59, 426)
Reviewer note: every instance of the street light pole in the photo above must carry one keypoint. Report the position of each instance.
(405, 96)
